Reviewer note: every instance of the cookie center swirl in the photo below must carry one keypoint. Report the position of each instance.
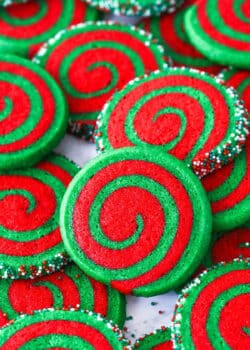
(131, 221)
(90, 84)
(130, 201)
(25, 207)
(129, 206)
(81, 69)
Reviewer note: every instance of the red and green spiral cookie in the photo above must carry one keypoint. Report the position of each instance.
(228, 190)
(61, 290)
(144, 8)
(240, 80)
(25, 27)
(30, 239)
(220, 30)
(168, 29)
(184, 112)
(213, 312)
(136, 219)
(229, 245)
(33, 113)
(91, 61)
(58, 329)
(158, 340)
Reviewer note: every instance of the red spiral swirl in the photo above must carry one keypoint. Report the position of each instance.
(233, 317)
(88, 81)
(25, 296)
(14, 208)
(68, 328)
(19, 98)
(45, 24)
(50, 18)
(226, 12)
(165, 129)
(118, 203)
(21, 108)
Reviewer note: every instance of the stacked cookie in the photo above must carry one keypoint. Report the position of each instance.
(166, 203)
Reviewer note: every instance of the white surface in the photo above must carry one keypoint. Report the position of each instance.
(145, 316)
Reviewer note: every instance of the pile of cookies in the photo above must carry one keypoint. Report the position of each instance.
(166, 203)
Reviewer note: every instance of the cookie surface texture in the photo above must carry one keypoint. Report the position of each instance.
(229, 245)
(24, 27)
(212, 312)
(168, 29)
(220, 31)
(33, 113)
(63, 330)
(180, 111)
(136, 219)
(228, 190)
(30, 239)
(68, 288)
(92, 61)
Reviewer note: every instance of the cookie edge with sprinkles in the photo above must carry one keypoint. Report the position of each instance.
(176, 335)
(134, 9)
(58, 261)
(98, 318)
(219, 156)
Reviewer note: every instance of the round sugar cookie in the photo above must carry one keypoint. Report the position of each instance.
(144, 8)
(24, 27)
(229, 245)
(30, 239)
(240, 80)
(158, 340)
(220, 31)
(91, 61)
(65, 289)
(57, 329)
(212, 311)
(136, 219)
(169, 30)
(180, 111)
(33, 113)
(228, 190)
